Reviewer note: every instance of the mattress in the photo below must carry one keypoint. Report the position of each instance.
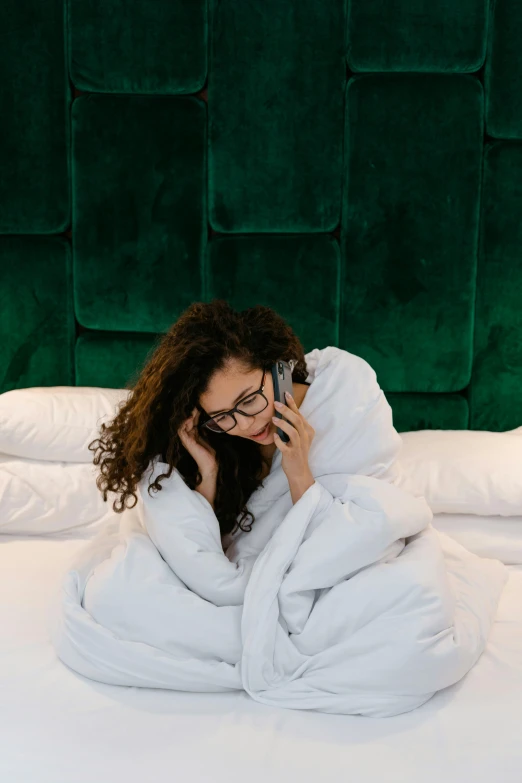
(57, 727)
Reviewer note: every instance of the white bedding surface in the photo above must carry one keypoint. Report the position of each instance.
(486, 536)
(57, 727)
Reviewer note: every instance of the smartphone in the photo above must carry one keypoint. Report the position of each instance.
(282, 380)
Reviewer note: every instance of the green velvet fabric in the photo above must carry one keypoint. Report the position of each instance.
(410, 226)
(428, 411)
(447, 36)
(36, 313)
(147, 46)
(355, 167)
(276, 271)
(276, 88)
(138, 210)
(503, 73)
(496, 397)
(34, 136)
(111, 360)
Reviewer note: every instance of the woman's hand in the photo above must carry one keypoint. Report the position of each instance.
(295, 452)
(198, 448)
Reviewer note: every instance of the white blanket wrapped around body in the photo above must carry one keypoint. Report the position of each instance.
(348, 601)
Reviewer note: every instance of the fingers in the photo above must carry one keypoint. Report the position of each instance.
(281, 445)
(193, 418)
(189, 423)
(290, 412)
(288, 428)
(299, 424)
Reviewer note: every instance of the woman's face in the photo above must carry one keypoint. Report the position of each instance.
(229, 386)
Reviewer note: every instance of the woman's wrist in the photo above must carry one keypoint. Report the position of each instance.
(207, 487)
(298, 486)
(209, 475)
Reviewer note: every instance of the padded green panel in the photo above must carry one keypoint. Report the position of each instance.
(496, 396)
(401, 290)
(139, 228)
(34, 95)
(429, 411)
(410, 224)
(503, 74)
(112, 361)
(296, 275)
(417, 35)
(147, 46)
(36, 314)
(276, 85)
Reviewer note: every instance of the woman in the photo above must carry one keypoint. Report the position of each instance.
(341, 598)
(211, 360)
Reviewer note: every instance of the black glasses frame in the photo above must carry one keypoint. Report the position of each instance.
(234, 410)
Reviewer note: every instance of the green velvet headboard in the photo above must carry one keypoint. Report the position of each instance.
(355, 165)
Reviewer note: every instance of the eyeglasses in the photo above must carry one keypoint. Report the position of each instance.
(251, 405)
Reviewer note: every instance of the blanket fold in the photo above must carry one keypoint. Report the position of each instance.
(190, 543)
(347, 601)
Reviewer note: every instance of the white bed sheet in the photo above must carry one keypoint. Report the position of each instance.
(57, 727)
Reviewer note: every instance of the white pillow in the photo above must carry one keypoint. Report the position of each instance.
(55, 423)
(50, 497)
(463, 471)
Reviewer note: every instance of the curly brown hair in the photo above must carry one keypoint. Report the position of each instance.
(203, 339)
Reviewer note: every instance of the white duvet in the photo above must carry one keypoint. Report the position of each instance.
(348, 601)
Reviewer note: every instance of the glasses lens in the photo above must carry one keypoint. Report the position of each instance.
(221, 423)
(254, 404)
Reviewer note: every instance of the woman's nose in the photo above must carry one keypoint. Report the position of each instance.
(244, 423)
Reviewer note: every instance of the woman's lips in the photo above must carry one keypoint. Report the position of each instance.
(263, 434)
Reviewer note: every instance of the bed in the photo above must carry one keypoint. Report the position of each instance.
(58, 727)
